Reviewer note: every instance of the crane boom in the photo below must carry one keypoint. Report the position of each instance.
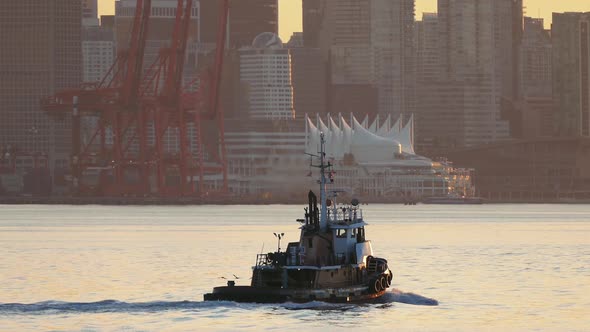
(219, 54)
(134, 68)
(173, 84)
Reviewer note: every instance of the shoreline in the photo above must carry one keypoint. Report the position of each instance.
(183, 201)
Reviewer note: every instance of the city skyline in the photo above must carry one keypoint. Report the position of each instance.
(475, 80)
(290, 11)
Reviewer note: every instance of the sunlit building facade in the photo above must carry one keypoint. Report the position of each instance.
(265, 69)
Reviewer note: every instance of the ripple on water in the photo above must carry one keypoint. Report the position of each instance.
(489, 266)
(216, 309)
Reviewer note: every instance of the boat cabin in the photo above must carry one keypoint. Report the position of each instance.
(336, 255)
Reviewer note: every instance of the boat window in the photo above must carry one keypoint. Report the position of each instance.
(340, 233)
(352, 233)
(360, 235)
(310, 242)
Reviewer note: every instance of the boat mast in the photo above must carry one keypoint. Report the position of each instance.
(323, 166)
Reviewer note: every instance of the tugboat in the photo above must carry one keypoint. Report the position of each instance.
(332, 262)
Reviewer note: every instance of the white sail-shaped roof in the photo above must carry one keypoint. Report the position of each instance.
(368, 147)
(337, 139)
(385, 127)
(405, 136)
(328, 136)
(373, 127)
(395, 129)
(313, 138)
(322, 126)
(346, 135)
(364, 123)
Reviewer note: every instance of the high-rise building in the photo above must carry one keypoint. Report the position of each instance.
(312, 20)
(439, 117)
(426, 46)
(89, 9)
(98, 52)
(108, 22)
(535, 59)
(265, 69)
(479, 38)
(89, 12)
(368, 43)
(517, 10)
(536, 80)
(571, 73)
(247, 19)
(345, 40)
(392, 42)
(98, 44)
(41, 54)
(309, 77)
(439, 106)
(477, 42)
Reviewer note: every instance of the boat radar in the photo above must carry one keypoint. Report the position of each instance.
(332, 261)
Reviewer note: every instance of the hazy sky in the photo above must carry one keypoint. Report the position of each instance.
(290, 10)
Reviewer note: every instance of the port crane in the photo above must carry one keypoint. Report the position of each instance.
(135, 107)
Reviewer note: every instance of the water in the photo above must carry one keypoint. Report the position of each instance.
(490, 267)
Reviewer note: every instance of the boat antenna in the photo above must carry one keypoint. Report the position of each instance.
(279, 236)
(323, 165)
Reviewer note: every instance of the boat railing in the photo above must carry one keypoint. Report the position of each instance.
(266, 260)
(272, 259)
(262, 259)
(345, 216)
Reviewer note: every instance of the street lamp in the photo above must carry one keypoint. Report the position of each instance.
(279, 236)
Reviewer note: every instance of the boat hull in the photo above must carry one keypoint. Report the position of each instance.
(280, 295)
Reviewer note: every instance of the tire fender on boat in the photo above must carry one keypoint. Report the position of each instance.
(377, 285)
(383, 281)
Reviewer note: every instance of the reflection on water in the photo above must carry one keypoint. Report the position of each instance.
(502, 267)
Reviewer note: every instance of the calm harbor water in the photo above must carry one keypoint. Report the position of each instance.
(96, 268)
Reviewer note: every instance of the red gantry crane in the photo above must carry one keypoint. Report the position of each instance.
(133, 111)
(176, 109)
(113, 106)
